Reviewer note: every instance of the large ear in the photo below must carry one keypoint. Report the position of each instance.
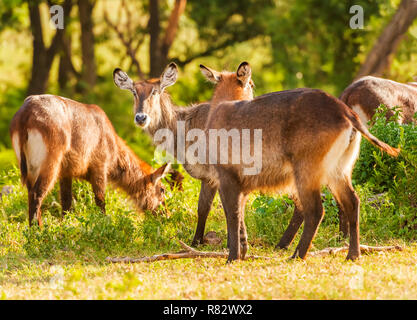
(122, 80)
(210, 74)
(244, 73)
(169, 76)
(160, 172)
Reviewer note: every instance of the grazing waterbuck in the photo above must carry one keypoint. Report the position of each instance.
(309, 140)
(366, 94)
(153, 110)
(58, 138)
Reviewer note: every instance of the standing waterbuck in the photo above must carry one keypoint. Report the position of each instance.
(366, 94)
(58, 138)
(153, 110)
(309, 140)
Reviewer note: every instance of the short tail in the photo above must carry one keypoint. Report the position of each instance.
(23, 167)
(23, 138)
(358, 125)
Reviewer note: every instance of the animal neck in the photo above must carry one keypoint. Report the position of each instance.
(168, 116)
(191, 117)
(130, 173)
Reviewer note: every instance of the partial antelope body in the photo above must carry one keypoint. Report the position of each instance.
(58, 138)
(309, 139)
(154, 110)
(366, 94)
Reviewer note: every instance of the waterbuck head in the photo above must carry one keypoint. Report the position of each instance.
(150, 97)
(152, 104)
(150, 196)
(230, 85)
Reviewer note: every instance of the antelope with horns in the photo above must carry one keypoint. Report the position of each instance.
(366, 94)
(309, 139)
(58, 138)
(154, 110)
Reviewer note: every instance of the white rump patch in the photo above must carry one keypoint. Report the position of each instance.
(362, 115)
(35, 153)
(349, 158)
(331, 163)
(16, 145)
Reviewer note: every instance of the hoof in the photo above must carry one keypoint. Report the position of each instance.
(243, 250)
(231, 259)
(352, 257)
(280, 247)
(195, 243)
(296, 256)
(343, 235)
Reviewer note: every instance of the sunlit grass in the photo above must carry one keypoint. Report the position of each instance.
(66, 260)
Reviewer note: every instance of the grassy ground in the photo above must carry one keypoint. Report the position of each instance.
(378, 276)
(66, 259)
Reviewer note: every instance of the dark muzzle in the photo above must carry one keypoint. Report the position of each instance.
(140, 119)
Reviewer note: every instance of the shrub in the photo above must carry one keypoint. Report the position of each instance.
(379, 169)
(391, 180)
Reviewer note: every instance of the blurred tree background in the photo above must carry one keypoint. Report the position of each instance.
(290, 44)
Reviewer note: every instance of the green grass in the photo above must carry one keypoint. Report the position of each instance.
(378, 276)
(66, 259)
(7, 159)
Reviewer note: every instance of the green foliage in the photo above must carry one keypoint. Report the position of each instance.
(383, 217)
(10, 101)
(313, 44)
(269, 219)
(294, 44)
(80, 233)
(379, 169)
(11, 14)
(220, 22)
(390, 182)
(84, 229)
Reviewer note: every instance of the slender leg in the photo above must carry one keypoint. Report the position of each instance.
(98, 181)
(349, 202)
(343, 221)
(243, 234)
(231, 198)
(205, 201)
(37, 193)
(353, 217)
(65, 185)
(298, 218)
(289, 234)
(312, 209)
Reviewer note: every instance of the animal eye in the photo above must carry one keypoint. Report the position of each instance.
(162, 190)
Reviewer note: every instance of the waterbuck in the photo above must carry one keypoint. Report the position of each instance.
(309, 139)
(366, 94)
(58, 138)
(154, 110)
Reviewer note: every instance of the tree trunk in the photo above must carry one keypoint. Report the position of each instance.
(85, 8)
(171, 30)
(66, 68)
(159, 48)
(154, 47)
(40, 72)
(380, 56)
(43, 57)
